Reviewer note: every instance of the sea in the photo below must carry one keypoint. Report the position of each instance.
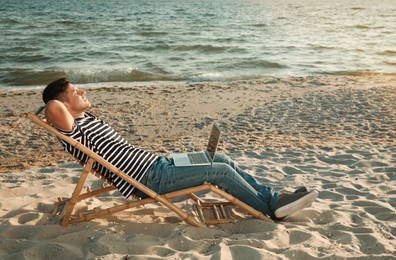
(107, 41)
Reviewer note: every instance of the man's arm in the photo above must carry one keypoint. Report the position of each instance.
(57, 114)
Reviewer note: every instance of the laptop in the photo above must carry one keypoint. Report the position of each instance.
(203, 157)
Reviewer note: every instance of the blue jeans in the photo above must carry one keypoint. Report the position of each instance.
(164, 177)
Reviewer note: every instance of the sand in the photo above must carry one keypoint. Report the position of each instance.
(336, 134)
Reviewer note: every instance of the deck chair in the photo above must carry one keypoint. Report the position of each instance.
(203, 213)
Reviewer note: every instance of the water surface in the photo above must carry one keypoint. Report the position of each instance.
(207, 40)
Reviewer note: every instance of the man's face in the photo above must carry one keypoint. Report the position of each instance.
(75, 99)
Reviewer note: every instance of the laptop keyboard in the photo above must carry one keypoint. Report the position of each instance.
(197, 158)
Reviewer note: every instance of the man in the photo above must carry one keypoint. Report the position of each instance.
(66, 109)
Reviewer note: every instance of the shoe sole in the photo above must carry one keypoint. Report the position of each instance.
(297, 205)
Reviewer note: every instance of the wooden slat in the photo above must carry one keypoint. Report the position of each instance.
(68, 210)
(216, 212)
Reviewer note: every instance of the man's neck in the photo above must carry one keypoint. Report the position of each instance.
(77, 114)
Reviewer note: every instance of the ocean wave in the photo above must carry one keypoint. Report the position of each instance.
(152, 33)
(366, 27)
(117, 75)
(202, 48)
(21, 77)
(388, 53)
(390, 63)
(254, 63)
(69, 23)
(359, 73)
(32, 78)
(25, 78)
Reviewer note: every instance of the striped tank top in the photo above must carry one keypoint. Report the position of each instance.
(104, 141)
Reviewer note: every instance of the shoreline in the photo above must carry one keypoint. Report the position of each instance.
(186, 81)
(333, 133)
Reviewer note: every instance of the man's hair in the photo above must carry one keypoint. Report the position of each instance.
(55, 88)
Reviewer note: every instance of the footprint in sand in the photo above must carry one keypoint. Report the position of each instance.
(290, 170)
(344, 159)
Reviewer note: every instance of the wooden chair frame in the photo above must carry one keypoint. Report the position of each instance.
(66, 207)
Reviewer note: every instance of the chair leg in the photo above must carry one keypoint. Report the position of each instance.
(71, 203)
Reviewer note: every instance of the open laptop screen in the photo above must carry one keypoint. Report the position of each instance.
(213, 140)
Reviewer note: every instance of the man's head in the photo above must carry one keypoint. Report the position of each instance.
(55, 89)
(73, 98)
